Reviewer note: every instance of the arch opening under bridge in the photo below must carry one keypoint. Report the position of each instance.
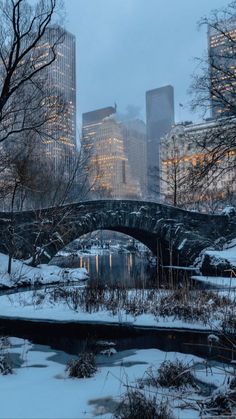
(170, 233)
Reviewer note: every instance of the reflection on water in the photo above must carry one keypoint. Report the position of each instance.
(133, 270)
(116, 269)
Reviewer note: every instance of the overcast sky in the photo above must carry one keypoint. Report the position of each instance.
(125, 47)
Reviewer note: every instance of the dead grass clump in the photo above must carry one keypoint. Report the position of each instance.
(232, 385)
(219, 405)
(84, 367)
(5, 365)
(136, 405)
(229, 323)
(174, 374)
(213, 298)
(4, 343)
(185, 311)
(181, 304)
(194, 306)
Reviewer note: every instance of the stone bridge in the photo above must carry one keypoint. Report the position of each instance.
(175, 235)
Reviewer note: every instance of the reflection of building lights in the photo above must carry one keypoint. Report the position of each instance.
(131, 260)
(96, 263)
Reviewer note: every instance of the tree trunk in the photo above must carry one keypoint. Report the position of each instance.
(9, 264)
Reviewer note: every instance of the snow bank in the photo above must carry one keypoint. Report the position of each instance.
(228, 253)
(217, 281)
(23, 274)
(29, 306)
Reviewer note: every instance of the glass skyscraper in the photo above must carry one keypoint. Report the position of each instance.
(61, 79)
(160, 118)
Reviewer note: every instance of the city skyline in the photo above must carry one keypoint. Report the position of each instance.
(127, 49)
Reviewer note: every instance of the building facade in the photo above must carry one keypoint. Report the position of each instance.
(182, 162)
(134, 134)
(222, 67)
(60, 144)
(108, 167)
(160, 118)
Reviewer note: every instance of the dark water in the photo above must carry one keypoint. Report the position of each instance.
(114, 269)
(74, 338)
(131, 270)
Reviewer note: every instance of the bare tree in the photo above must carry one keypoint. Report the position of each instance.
(33, 183)
(174, 174)
(214, 88)
(27, 101)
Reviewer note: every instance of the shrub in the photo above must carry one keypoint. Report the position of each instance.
(4, 342)
(232, 385)
(229, 323)
(84, 367)
(174, 374)
(219, 405)
(136, 405)
(5, 365)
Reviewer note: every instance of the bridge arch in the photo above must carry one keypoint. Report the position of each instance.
(165, 230)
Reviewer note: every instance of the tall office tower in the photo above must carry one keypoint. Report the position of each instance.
(134, 132)
(160, 118)
(222, 67)
(107, 164)
(61, 79)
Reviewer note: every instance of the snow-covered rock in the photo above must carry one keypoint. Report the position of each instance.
(25, 275)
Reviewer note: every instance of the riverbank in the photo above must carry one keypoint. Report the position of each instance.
(196, 310)
(218, 282)
(23, 275)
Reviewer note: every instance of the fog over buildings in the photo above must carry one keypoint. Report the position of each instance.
(126, 47)
(119, 63)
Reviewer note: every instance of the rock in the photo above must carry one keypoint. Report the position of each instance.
(108, 352)
(214, 266)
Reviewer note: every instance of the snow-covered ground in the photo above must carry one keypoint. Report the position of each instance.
(93, 251)
(217, 281)
(42, 274)
(41, 306)
(40, 388)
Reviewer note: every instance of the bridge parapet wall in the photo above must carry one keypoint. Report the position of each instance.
(158, 226)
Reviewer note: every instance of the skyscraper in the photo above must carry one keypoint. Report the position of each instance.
(107, 163)
(134, 132)
(222, 67)
(61, 78)
(160, 118)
